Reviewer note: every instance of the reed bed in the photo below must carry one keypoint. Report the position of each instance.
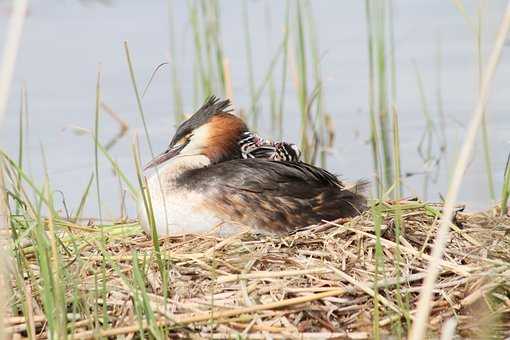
(352, 278)
(319, 282)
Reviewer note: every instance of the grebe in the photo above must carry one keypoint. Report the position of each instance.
(253, 146)
(217, 175)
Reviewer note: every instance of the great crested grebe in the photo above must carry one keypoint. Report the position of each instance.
(253, 146)
(217, 175)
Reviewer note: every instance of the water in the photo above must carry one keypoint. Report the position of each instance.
(64, 43)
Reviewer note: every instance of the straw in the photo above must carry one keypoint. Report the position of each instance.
(315, 281)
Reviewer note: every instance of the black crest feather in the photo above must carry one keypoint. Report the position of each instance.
(212, 106)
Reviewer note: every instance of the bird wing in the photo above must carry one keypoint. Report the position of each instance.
(275, 196)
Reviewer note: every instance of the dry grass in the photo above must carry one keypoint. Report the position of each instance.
(317, 283)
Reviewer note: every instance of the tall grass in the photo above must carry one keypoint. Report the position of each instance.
(505, 193)
(273, 97)
(96, 143)
(374, 134)
(21, 131)
(10, 52)
(284, 71)
(397, 190)
(419, 326)
(175, 80)
(138, 97)
(382, 89)
(249, 65)
(38, 220)
(302, 78)
(428, 136)
(378, 14)
(304, 64)
(42, 220)
(56, 279)
(384, 134)
(439, 101)
(147, 205)
(476, 25)
(318, 121)
(298, 37)
(208, 70)
(8, 61)
(485, 129)
(5, 223)
(297, 56)
(379, 269)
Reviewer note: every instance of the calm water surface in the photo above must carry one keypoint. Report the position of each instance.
(65, 41)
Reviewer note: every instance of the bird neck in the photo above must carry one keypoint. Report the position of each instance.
(178, 165)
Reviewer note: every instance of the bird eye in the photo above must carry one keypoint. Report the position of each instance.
(184, 140)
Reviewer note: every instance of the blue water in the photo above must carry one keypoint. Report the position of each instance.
(65, 42)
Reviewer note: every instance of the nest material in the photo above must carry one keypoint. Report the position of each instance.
(334, 280)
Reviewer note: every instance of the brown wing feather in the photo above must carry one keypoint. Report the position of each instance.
(274, 196)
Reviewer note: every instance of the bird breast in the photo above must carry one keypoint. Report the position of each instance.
(179, 211)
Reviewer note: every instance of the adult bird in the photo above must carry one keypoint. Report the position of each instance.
(205, 181)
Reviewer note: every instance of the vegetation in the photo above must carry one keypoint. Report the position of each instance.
(367, 277)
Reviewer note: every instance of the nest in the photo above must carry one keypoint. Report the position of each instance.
(352, 278)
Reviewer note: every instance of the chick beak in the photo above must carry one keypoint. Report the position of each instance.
(168, 154)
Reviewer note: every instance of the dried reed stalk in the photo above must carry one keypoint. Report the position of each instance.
(14, 29)
(425, 302)
(4, 237)
(251, 284)
(210, 316)
(4, 208)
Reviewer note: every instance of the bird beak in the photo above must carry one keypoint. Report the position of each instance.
(168, 154)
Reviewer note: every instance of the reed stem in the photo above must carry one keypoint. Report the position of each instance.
(424, 304)
(506, 188)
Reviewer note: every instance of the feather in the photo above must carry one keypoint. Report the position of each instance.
(253, 146)
(273, 196)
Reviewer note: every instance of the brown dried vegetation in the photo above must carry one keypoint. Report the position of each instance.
(320, 282)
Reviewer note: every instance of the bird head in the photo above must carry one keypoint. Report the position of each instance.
(212, 132)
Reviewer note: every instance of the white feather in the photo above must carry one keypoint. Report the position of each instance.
(176, 210)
